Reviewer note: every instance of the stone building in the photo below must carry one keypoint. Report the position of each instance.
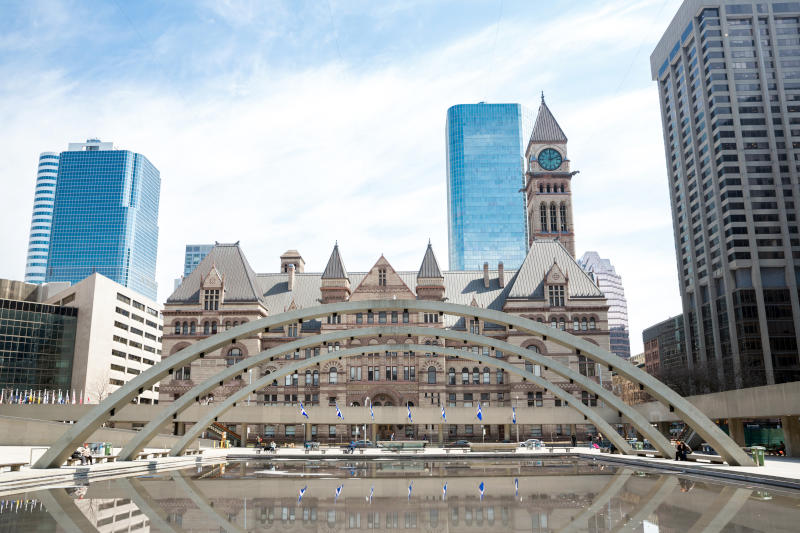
(224, 291)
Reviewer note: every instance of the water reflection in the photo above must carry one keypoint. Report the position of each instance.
(559, 495)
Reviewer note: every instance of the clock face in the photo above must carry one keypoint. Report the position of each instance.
(549, 159)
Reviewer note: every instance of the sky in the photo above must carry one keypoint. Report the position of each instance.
(295, 124)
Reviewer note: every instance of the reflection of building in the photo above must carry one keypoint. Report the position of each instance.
(39, 240)
(113, 514)
(485, 156)
(733, 181)
(118, 336)
(626, 389)
(611, 284)
(37, 340)
(224, 291)
(105, 217)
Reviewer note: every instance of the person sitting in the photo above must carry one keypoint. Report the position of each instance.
(273, 447)
(86, 454)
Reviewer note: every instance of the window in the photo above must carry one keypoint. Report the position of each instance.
(474, 326)
(227, 325)
(476, 377)
(591, 323)
(211, 300)
(500, 376)
(405, 317)
(308, 377)
(539, 401)
(359, 318)
(234, 356)
(331, 430)
(182, 373)
(553, 221)
(563, 213)
(486, 376)
(333, 376)
(394, 317)
(185, 329)
(431, 375)
(382, 277)
(556, 294)
(370, 317)
(207, 327)
(467, 399)
(192, 328)
(543, 217)
(355, 373)
(291, 330)
(451, 376)
(382, 317)
(316, 378)
(576, 324)
(177, 328)
(465, 376)
(585, 366)
(123, 298)
(583, 324)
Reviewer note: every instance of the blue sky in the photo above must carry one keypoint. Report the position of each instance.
(294, 124)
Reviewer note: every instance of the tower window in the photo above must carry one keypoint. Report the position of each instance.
(563, 214)
(382, 277)
(556, 295)
(543, 217)
(553, 221)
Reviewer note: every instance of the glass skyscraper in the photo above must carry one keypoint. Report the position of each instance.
(194, 254)
(105, 217)
(607, 279)
(728, 75)
(486, 217)
(39, 239)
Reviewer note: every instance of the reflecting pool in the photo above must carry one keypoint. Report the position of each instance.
(554, 495)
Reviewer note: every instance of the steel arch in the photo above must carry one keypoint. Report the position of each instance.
(136, 444)
(83, 428)
(230, 401)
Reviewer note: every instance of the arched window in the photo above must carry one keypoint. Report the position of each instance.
(206, 328)
(541, 188)
(486, 376)
(553, 220)
(316, 378)
(476, 376)
(563, 214)
(185, 328)
(177, 328)
(543, 217)
(576, 324)
(192, 328)
(533, 347)
(333, 377)
(431, 374)
(528, 367)
(214, 327)
(465, 376)
(308, 377)
(583, 324)
(592, 324)
(287, 380)
(451, 376)
(235, 323)
(234, 356)
(562, 187)
(548, 187)
(500, 376)
(227, 325)
(561, 324)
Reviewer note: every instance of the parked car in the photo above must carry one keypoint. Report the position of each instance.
(458, 444)
(531, 443)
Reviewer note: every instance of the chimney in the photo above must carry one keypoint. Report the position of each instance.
(486, 275)
(500, 277)
(291, 277)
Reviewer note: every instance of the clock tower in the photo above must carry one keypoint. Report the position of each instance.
(548, 181)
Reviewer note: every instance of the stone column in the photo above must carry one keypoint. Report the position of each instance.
(507, 432)
(791, 435)
(307, 432)
(736, 430)
(441, 434)
(374, 432)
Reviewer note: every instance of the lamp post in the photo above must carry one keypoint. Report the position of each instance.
(250, 373)
(368, 402)
(516, 404)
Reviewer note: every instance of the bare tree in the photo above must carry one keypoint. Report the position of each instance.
(100, 388)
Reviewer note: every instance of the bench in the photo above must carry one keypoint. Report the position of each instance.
(566, 449)
(155, 455)
(13, 467)
(96, 459)
(704, 458)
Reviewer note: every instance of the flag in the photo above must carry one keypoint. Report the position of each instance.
(371, 412)
(338, 492)
(444, 490)
(302, 493)
(480, 488)
(444, 416)
(80, 398)
(39, 399)
(410, 420)
(371, 491)
(73, 396)
(338, 411)
(479, 414)
(303, 412)
(513, 415)
(60, 398)
(410, 486)
(516, 487)
(2, 396)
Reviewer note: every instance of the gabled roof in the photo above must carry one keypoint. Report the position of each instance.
(546, 129)
(335, 268)
(230, 262)
(430, 266)
(530, 278)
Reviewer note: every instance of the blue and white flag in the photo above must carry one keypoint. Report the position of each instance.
(410, 486)
(302, 493)
(410, 420)
(303, 410)
(338, 412)
(516, 487)
(513, 415)
(444, 490)
(371, 492)
(338, 492)
(444, 416)
(479, 414)
(480, 488)
(371, 412)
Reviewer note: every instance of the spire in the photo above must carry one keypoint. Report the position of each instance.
(335, 268)
(429, 267)
(546, 129)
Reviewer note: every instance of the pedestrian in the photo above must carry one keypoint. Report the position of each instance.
(681, 450)
(574, 439)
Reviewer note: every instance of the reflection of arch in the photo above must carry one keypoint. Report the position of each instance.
(83, 428)
(649, 503)
(600, 501)
(62, 508)
(142, 500)
(589, 414)
(203, 504)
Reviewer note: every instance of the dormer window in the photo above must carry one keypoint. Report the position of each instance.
(556, 295)
(382, 277)
(211, 300)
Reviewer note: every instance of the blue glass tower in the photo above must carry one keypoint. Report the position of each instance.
(486, 218)
(105, 217)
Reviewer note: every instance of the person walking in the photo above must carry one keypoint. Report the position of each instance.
(574, 439)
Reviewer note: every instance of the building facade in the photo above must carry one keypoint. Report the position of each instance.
(610, 283)
(224, 291)
(630, 392)
(728, 82)
(485, 163)
(665, 355)
(194, 254)
(105, 217)
(39, 239)
(119, 335)
(37, 340)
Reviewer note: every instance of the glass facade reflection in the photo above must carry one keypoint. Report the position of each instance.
(485, 167)
(105, 219)
(194, 254)
(39, 239)
(37, 344)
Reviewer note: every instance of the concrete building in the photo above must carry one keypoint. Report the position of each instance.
(39, 239)
(485, 157)
(224, 291)
(105, 217)
(665, 354)
(728, 83)
(118, 336)
(610, 283)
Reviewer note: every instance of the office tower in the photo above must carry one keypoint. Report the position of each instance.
(729, 85)
(194, 254)
(105, 217)
(39, 240)
(607, 279)
(665, 354)
(485, 165)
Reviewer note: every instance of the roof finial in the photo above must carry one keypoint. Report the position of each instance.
(429, 241)
(542, 96)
